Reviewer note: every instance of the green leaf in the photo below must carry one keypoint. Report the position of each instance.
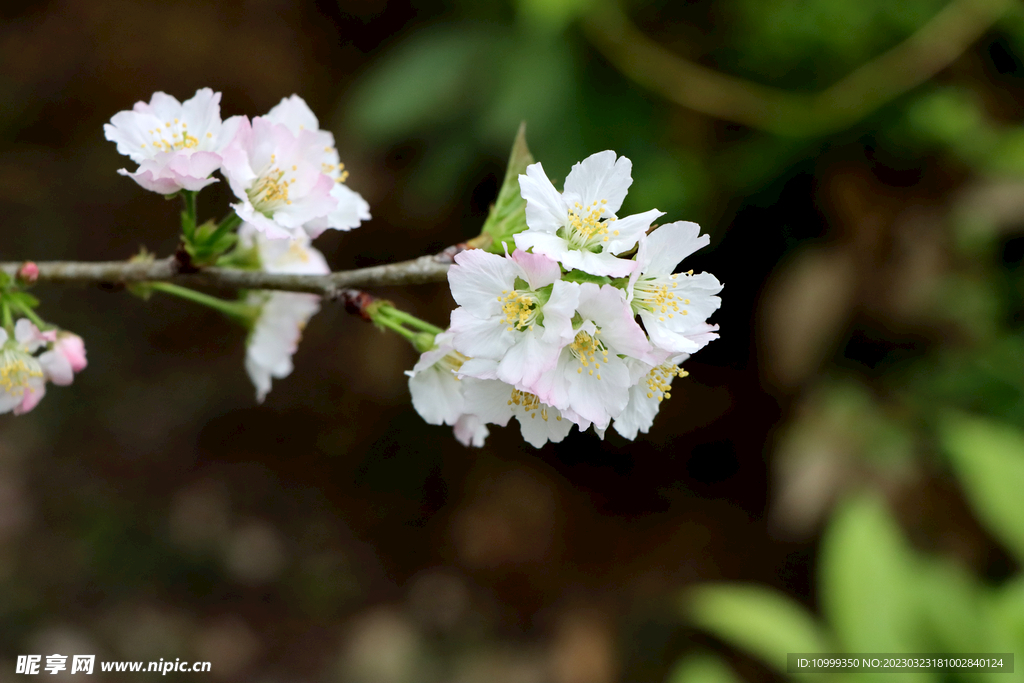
(552, 15)
(508, 215)
(425, 81)
(581, 277)
(952, 611)
(988, 458)
(702, 669)
(867, 579)
(755, 619)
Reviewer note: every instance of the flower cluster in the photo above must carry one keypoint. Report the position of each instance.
(283, 169)
(289, 181)
(549, 334)
(31, 359)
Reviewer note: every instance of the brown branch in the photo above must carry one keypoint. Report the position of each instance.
(417, 271)
(929, 50)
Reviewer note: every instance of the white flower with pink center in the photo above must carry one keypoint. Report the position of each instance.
(177, 145)
(283, 316)
(578, 227)
(514, 310)
(277, 175)
(674, 307)
(351, 208)
(22, 380)
(438, 395)
(493, 401)
(590, 379)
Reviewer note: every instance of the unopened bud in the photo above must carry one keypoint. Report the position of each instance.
(28, 273)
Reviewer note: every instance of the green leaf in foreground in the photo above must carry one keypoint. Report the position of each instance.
(988, 457)
(702, 669)
(755, 619)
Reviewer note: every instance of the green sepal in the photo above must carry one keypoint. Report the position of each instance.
(520, 283)
(544, 293)
(206, 247)
(5, 279)
(22, 300)
(243, 258)
(581, 277)
(508, 214)
(619, 282)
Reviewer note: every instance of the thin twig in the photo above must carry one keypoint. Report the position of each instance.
(929, 50)
(424, 269)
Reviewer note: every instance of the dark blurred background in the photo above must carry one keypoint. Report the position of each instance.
(873, 276)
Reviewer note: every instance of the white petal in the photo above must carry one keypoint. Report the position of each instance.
(437, 396)
(545, 209)
(489, 399)
(470, 430)
(479, 337)
(667, 246)
(601, 177)
(477, 280)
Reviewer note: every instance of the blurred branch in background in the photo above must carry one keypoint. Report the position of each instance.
(933, 47)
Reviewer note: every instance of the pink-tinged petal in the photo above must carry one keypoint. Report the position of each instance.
(552, 387)
(479, 338)
(630, 229)
(470, 430)
(597, 264)
(198, 165)
(34, 393)
(489, 400)
(545, 209)
(73, 348)
(601, 176)
(666, 247)
(544, 243)
(477, 280)
(607, 307)
(57, 368)
(315, 204)
(540, 270)
(527, 358)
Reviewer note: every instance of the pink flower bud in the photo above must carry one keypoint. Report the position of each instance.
(28, 273)
(72, 348)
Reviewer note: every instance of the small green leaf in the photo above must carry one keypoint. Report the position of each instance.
(702, 669)
(508, 215)
(755, 619)
(988, 457)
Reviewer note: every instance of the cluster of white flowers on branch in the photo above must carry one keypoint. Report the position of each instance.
(585, 322)
(551, 330)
